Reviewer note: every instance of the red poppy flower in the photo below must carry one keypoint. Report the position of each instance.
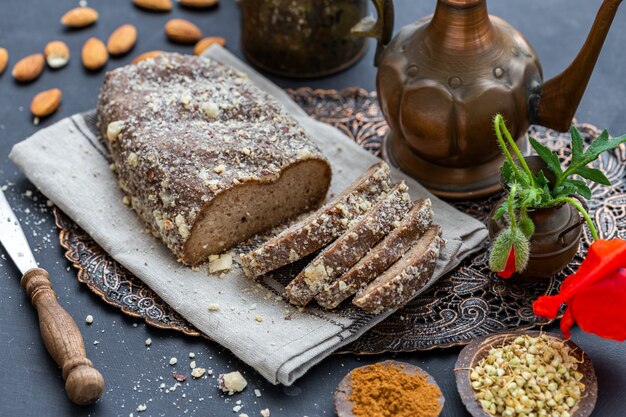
(509, 268)
(595, 295)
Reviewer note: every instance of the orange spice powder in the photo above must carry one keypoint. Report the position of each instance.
(385, 390)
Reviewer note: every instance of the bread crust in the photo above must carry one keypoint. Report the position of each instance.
(380, 257)
(340, 255)
(322, 227)
(404, 279)
(183, 130)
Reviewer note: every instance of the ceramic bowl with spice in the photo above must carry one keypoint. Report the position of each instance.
(523, 374)
(388, 388)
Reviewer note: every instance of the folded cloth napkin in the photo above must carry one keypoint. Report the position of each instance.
(70, 166)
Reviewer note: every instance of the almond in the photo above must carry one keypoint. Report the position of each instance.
(206, 43)
(94, 54)
(29, 68)
(146, 55)
(80, 17)
(154, 5)
(198, 4)
(122, 40)
(182, 31)
(4, 59)
(57, 54)
(46, 102)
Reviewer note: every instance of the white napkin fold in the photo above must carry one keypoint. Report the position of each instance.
(69, 165)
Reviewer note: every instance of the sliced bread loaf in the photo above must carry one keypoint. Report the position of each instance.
(381, 257)
(405, 278)
(206, 158)
(321, 228)
(344, 252)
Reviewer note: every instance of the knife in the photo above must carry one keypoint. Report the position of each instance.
(83, 383)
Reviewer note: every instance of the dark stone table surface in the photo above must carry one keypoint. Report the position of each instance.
(31, 383)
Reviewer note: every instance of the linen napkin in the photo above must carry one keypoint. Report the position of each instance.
(67, 162)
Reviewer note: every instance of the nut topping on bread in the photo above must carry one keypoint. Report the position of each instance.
(207, 158)
(380, 257)
(404, 279)
(340, 255)
(322, 227)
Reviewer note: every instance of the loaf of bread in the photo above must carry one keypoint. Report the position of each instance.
(340, 255)
(404, 279)
(323, 227)
(380, 257)
(206, 158)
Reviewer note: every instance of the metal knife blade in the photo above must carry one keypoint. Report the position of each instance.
(13, 239)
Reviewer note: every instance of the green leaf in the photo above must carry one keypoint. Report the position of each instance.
(579, 186)
(507, 172)
(593, 174)
(577, 143)
(601, 144)
(541, 180)
(550, 158)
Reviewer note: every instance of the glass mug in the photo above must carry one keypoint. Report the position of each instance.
(302, 38)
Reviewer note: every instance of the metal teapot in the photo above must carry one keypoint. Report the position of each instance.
(442, 79)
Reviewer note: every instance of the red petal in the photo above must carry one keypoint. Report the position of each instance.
(604, 258)
(548, 306)
(567, 321)
(509, 268)
(601, 308)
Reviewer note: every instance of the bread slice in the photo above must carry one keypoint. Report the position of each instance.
(405, 278)
(381, 257)
(340, 255)
(206, 158)
(321, 228)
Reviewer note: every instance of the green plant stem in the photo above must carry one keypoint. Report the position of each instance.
(518, 153)
(512, 218)
(574, 202)
(497, 123)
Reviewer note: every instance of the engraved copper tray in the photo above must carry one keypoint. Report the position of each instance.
(467, 303)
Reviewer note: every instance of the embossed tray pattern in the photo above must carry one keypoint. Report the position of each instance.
(467, 303)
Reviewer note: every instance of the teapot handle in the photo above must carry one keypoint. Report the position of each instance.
(380, 28)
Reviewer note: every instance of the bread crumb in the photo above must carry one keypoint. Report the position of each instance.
(198, 372)
(173, 361)
(89, 319)
(223, 263)
(265, 412)
(257, 392)
(148, 342)
(259, 319)
(214, 307)
(220, 169)
(232, 382)
(141, 407)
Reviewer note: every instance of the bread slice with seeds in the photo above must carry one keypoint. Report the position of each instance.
(340, 255)
(321, 228)
(404, 279)
(380, 257)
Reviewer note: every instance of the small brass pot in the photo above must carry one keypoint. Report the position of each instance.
(303, 38)
(558, 231)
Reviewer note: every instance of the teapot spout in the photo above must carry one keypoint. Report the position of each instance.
(561, 95)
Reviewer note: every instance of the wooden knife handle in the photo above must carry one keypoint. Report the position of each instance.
(83, 383)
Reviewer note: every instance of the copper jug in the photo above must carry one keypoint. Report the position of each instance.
(442, 79)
